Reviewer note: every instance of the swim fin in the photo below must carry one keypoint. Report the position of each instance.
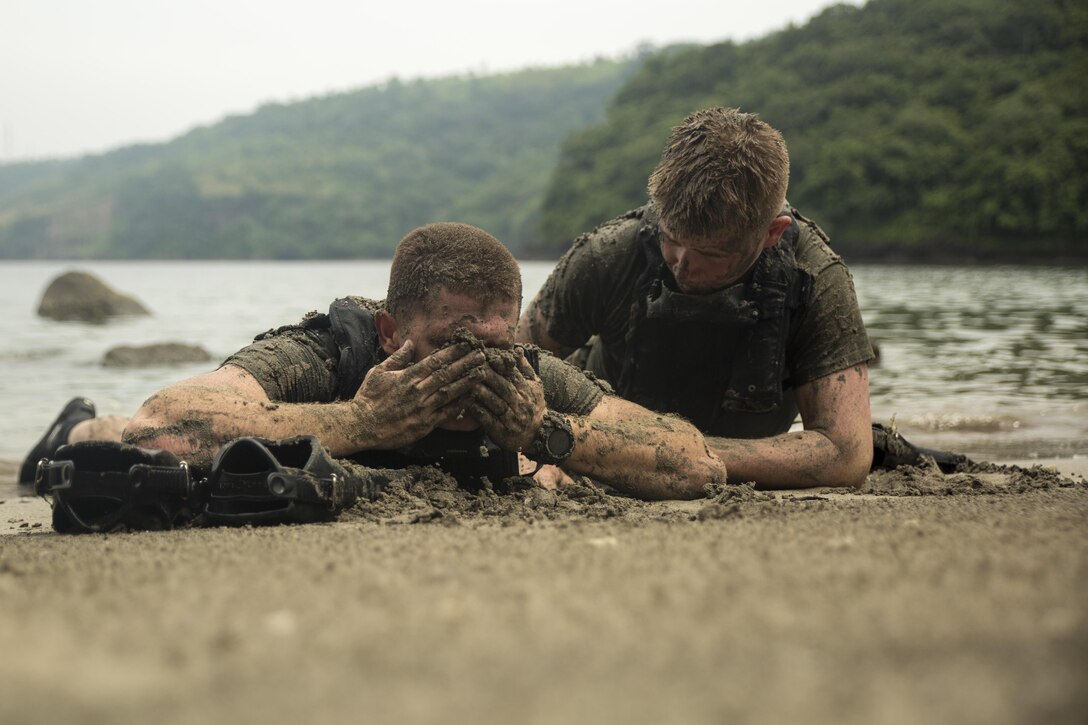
(258, 481)
(101, 486)
(891, 450)
(75, 411)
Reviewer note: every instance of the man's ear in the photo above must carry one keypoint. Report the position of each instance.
(387, 331)
(776, 230)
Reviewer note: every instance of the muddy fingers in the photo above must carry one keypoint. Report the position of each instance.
(399, 405)
(492, 402)
(525, 368)
(510, 412)
(461, 386)
(440, 360)
(466, 368)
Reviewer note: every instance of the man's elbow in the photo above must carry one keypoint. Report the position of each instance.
(854, 479)
(158, 424)
(710, 471)
(703, 473)
(854, 468)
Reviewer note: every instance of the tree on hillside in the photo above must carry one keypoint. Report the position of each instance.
(341, 176)
(908, 121)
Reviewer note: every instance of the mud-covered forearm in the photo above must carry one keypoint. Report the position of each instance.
(533, 329)
(196, 417)
(195, 422)
(643, 454)
(398, 403)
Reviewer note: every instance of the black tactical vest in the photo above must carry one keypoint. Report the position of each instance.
(356, 334)
(717, 359)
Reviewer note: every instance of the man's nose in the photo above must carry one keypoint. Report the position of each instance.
(672, 253)
(680, 264)
(492, 330)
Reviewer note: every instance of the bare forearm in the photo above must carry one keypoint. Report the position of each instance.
(196, 417)
(834, 449)
(196, 420)
(652, 457)
(801, 459)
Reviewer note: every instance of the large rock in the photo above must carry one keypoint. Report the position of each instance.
(162, 353)
(82, 297)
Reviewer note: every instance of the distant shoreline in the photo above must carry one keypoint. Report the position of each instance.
(940, 257)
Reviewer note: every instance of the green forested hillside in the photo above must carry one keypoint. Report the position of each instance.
(915, 127)
(345, 175)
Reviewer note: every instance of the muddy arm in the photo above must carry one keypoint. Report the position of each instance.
(642, 453)
(533, 328)
(195, 417)
(834, 449)
(399, 402)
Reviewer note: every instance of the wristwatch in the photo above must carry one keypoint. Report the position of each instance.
(554, 442)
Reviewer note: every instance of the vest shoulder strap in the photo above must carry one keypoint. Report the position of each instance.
(355, 332)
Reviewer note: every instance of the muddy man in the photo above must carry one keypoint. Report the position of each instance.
(368, 377)
(719, 302)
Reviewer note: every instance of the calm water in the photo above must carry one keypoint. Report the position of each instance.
(991, 361)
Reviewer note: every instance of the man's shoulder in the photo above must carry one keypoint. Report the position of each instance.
(614, 238)
(812, 248)
(322, 322)
(351, 305)
(355, 302)
(349, 315)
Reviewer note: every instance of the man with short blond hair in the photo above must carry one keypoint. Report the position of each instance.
(719, 302)
(722, 175)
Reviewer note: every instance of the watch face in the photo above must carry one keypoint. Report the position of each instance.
(559, 443)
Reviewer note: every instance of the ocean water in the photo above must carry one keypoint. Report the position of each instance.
(992, 361)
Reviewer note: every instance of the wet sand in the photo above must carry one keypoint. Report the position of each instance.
(955, 600)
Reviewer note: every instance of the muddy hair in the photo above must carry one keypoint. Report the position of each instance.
(723, 174)
(458, 257)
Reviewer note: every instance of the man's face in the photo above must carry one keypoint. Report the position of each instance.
(430, 329)
(493, 324)
(701, 266)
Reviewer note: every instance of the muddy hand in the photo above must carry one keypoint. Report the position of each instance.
(400, 401)
(511, 410)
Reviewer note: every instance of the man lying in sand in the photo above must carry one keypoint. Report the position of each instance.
(372, 377)
(718, 301)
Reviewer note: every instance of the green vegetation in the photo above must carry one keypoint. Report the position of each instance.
(342, 176)
(916, 127)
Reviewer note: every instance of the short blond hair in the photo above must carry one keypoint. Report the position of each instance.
(723, 174)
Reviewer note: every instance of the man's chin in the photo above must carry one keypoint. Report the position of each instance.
(697, 289)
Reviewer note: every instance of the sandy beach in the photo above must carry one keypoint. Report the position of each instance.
(920, 599)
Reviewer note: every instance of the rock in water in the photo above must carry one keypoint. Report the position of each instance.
(162, 353)
(82, 297)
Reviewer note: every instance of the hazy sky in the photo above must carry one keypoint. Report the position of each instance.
(80, 76)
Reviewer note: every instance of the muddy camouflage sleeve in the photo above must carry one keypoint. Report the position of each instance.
(567, 389)
(830, 335)
(292, 364)
(588, 291)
